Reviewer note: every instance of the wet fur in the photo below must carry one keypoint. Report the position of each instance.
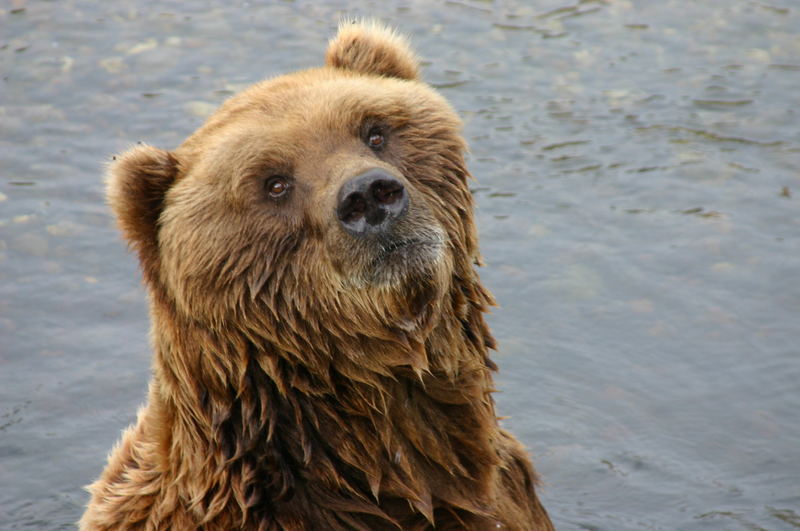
(300, 382)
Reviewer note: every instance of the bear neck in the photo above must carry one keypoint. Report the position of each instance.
(387, 441)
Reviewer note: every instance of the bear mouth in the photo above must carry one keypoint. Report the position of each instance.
(401, 245)
(403, 256)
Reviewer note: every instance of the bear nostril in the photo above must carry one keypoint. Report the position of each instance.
(353, 208)
(387, 192)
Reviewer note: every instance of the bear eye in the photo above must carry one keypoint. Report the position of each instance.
(277, 186)
(375, 138)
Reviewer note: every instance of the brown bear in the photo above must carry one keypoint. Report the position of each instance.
(320, 351)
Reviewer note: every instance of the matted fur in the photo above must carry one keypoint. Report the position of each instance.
(302, 378)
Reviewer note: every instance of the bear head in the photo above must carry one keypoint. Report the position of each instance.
(334, 198)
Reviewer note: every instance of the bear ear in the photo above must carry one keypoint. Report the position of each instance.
(137, 183)
(372, 48)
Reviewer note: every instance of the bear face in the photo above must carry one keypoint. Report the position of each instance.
(285, 187)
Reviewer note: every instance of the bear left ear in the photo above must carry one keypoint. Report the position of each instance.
(372, 48)
(137, 182)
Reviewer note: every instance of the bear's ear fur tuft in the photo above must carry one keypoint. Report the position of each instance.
(370, 47)
(137, 182)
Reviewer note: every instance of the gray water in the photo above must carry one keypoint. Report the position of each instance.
(638, 191)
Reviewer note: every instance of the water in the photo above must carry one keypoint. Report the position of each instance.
(638, 196)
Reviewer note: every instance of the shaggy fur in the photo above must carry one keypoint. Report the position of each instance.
(303, 378)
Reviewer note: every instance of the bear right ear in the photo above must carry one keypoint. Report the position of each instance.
(137, 183)
(372, 48)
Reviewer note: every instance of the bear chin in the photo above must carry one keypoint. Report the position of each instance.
(404, 259)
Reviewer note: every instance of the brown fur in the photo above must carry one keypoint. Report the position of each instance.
(302, 379)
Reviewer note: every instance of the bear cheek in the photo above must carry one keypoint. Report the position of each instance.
(180, 274)
(194, 257)
(215, 265)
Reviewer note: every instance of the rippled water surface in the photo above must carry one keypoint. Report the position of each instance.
(638, 193)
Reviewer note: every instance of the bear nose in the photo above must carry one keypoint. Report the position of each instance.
(371, 202)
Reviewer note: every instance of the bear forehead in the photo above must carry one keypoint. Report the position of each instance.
(325, 99)
(335, 89)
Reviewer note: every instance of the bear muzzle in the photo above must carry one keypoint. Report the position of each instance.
(389, 236)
